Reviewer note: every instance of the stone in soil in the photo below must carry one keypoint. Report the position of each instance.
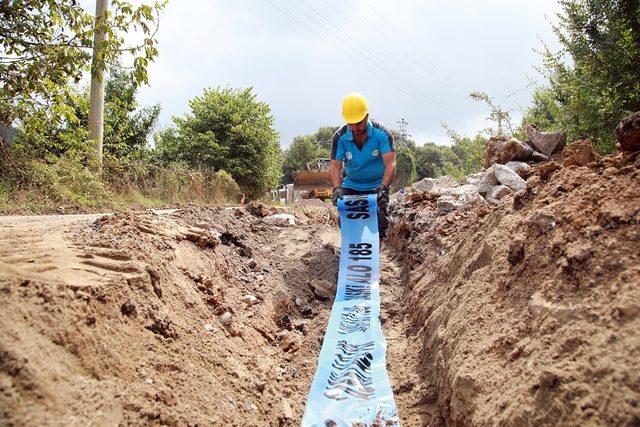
(547, 143)
(579, 153)
(487, 181)
(628, 133)
(498, 192)
(521, 168)
(508, 177)
(459, 197)
(435, 184)
(501, 151)
(226, 318)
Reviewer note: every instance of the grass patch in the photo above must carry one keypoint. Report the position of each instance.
(65, 185)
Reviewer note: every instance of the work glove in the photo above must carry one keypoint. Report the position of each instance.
(382, 193)
(338, 192)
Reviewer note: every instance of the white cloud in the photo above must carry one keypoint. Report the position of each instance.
(428, 56)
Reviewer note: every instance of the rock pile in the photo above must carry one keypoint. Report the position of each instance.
(507, 164)
(508, 167)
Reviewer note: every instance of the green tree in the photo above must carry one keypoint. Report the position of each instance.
(497, 115)
(432, 160)
(126, 125)
(469, 153)
(324, 137)
(302, 150)
(227, 129)
(45, 45)
(306, 148)
(545, 112)
(595, 79)
(428, 160)
(405, 169)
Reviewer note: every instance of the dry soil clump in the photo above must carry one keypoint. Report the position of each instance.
(526, 313)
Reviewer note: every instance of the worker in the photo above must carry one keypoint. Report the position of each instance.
(363, 158)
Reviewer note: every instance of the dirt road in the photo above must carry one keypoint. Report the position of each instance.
(197, 316)
(42, 248)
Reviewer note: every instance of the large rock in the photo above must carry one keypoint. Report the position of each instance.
(628, 133)
(547, 143)
(538, 157)
(509, 178)
(521, 168)
(579, 153)
(491, 149)
(513, 149)
(474, 178)
(487, 180)
(399, 196)
(435, 184)
(459, 197)
(498, 192)
(425, 184)
(501, 151)
(447, 181)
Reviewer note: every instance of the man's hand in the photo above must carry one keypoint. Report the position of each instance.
(338, 192)
(382, 191)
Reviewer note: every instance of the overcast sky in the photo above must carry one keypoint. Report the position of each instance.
(413, 59)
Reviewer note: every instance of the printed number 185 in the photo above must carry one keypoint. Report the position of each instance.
(361, 251)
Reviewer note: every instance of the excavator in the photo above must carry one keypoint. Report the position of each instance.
(314, 182)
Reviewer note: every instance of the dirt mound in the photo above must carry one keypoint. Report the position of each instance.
(197, 316)
(522, 313)
(526, 313)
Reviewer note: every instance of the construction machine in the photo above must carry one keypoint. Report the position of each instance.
(314, 182)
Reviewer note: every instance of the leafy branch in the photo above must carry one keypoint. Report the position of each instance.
(497, 114)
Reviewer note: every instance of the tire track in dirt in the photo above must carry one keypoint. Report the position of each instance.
(110, 320)
(155, 319)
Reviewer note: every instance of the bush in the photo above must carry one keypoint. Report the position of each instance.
(227, 129)
(224, 187)
(28, 184)
(170, 184)
(405, 170)
(38, 185)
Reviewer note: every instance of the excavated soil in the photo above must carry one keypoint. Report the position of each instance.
(528, 313)
(191, 317)
(523, 314)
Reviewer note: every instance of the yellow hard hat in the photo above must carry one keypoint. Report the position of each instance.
(354, 108)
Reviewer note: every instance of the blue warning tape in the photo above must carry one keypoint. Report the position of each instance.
(351, 383)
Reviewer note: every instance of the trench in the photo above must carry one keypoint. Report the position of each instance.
(213, 316)
(197, 316)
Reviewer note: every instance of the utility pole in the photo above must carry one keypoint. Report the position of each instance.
(403, 133)
(96, 94)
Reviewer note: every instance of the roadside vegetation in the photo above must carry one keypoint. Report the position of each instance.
(590, 84)
(226, 145)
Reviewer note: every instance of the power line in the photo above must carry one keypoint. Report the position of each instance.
(369, 56)
(446, 79)
(393, 54)
(379, 70)
(372, 54)
(408, 54)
